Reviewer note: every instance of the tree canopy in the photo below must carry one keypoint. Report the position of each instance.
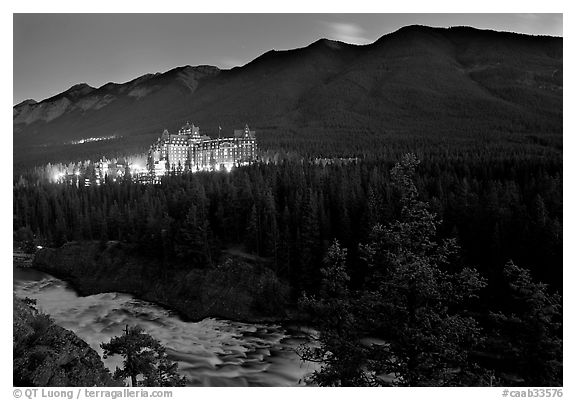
(421, 304)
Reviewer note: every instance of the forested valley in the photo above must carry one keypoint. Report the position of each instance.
(487, 228)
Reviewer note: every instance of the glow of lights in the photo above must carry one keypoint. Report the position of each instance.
(77, 173)
(39, 247)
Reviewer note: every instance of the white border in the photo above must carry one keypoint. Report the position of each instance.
(302, 6)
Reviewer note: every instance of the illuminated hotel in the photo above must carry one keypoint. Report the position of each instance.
(189, 151)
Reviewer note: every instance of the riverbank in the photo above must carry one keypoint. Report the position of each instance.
(235, 289)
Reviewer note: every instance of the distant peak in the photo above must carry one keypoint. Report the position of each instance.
(322, 41)
(27, 102)
(140, 79)
(79, 89)
(80, 86)
(415, 27)
(333, 44)
(411, 29)
(189, 68)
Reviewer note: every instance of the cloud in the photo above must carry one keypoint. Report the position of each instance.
(347, 32)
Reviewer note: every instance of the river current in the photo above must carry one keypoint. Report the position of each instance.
(211, 352)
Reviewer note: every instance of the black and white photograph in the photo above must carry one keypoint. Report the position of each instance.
(286, 200)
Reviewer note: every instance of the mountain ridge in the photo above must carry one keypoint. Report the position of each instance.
(320, 40)
(479, 79)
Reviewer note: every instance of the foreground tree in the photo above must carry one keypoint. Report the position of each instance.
(528, 329)
(413, 298)
(341, 355)
(418, 296)
(143, 355)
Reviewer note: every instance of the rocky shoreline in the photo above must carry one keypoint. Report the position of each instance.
(45, 354)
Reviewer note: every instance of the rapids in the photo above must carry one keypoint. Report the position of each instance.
(211, 352)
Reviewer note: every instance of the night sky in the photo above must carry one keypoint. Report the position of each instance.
(55, 51)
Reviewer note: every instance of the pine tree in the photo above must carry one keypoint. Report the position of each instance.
(310, 254)
(270, 236)
(193, 239)
(252, 240)
(143, 355)
(341, 356)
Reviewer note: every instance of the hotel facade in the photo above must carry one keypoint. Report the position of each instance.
(188, 151)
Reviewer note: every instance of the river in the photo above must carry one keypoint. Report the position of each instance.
(211, 352)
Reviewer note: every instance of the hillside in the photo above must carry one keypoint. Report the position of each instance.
(455, 83)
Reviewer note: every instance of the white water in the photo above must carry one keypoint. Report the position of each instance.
(211, 352)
